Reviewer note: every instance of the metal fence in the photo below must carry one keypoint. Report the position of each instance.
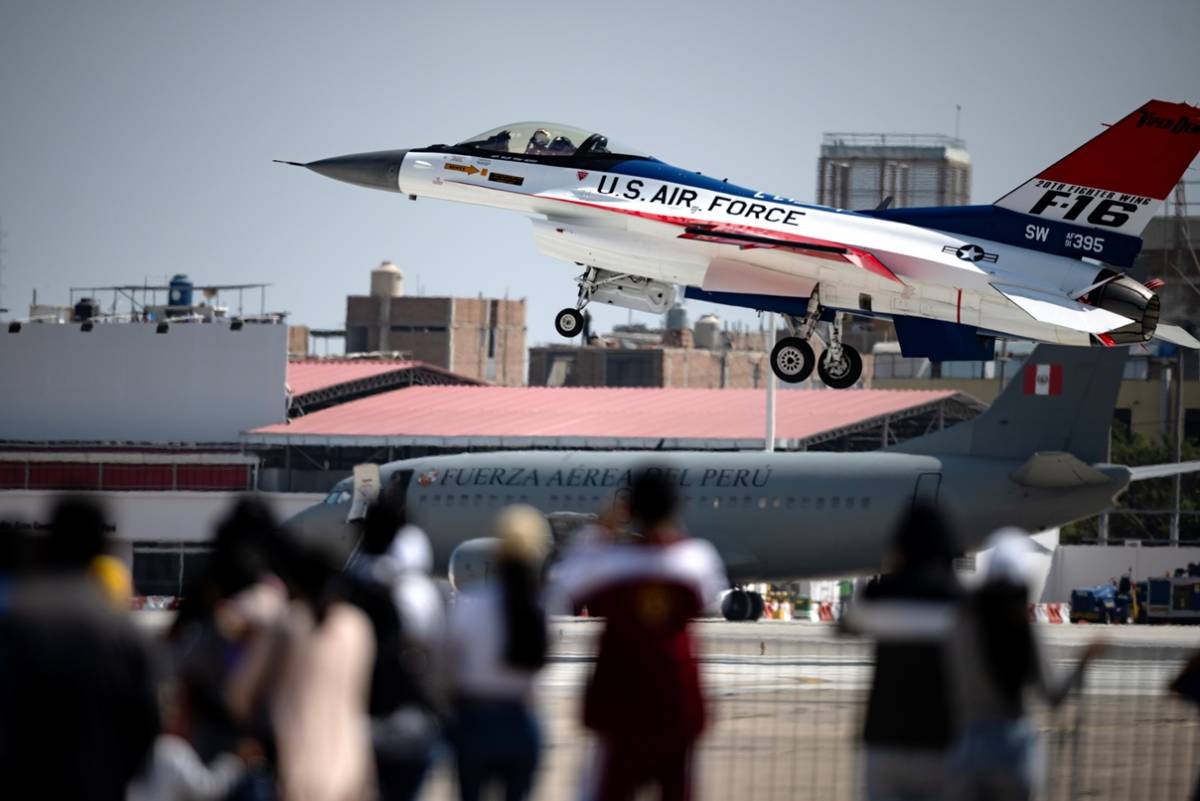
(787, 702)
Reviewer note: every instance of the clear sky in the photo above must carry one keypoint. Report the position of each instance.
(136, 138)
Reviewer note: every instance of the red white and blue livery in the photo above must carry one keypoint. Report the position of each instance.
(1044, 263)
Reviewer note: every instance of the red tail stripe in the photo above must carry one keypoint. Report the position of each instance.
(1145, 153)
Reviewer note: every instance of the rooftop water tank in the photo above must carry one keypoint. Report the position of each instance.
(677, 318)
(387, 281)
(708, 332)
(86, 309)
(180, 292)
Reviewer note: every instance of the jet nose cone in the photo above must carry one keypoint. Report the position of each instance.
(378, 170)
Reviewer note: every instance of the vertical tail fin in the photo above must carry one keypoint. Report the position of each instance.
(1062, 401)
(1117, 180)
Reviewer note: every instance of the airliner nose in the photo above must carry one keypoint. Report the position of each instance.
(377, 170)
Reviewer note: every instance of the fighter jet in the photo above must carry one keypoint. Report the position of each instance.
(1037, 458)
(1042, 263)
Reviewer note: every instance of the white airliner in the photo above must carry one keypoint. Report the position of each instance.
(1042, 263)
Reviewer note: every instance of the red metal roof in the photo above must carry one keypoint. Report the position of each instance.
(588, 417)
(313, 374)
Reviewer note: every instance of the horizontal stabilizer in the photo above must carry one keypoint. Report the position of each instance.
(1176, 336)
(1057, 470)
(1164, 470)
(1061, 310)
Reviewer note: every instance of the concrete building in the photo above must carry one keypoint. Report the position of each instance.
(481, 338)
(861, 170)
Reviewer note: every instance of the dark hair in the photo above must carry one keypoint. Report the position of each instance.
(1000, 611)
(77, 535)
(653, 498)
(525, 620)
(924, 540)
(246, 544)
(310, 570)
(384, 518)
(16, 548)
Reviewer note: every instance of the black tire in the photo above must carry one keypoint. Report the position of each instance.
(757, 606)
(845, 373)
(792, 360)
(568, 322)
(736, 605)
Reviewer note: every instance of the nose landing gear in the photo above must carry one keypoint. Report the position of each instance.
(568, 322)
(792, 358)
(618, 289)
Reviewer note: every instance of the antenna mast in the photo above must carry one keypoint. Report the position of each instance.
(2, 309)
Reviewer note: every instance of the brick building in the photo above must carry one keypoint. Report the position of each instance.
(481, 338)
(707, 356)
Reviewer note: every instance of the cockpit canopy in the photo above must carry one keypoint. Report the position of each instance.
(546, 139)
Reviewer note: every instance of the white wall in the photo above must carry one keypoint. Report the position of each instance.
(122, 382)
(154, 516)
(1076, 566)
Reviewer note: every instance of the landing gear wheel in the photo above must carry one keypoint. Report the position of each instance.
(792, 360)
(740, 606)
(568, 322)
(757, 605)
(842, 373)
(735, 606)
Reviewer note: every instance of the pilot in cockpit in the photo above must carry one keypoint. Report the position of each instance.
(561, 146)
(539, 143)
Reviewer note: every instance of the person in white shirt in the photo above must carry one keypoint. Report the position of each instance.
(496, 646)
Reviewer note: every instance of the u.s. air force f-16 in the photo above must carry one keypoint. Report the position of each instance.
(1037, 458)
(1042, 263)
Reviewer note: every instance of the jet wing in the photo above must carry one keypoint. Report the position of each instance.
(1061, 310)
(747, 238)
(1176, 336)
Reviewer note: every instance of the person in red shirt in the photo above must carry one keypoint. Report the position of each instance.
(644, 700)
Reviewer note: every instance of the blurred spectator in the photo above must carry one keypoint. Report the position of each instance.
(313, 672)
(994, 658)
(1187, 686)
(388, 579)
(230, 607)
(78, 713)
(910, 611)
(497, 644)
(175, 771)
(644, 699)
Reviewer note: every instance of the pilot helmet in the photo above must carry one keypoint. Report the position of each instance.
(540, 138)
(561, 144)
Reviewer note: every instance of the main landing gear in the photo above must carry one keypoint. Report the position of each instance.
(793, 359)
(742, 605)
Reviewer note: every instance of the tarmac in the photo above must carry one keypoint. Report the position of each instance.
(787, 700)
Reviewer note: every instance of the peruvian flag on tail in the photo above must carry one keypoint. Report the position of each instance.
(1043, 379)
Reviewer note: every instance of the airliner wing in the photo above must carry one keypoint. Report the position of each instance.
(1164, 470)
(1061, 310)
(745, 238)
